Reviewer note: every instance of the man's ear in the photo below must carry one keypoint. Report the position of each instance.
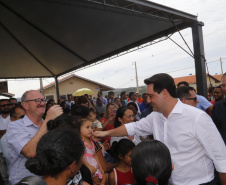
(172, 166)
(120, 119)
(183, 100)
(25, 105)
(165, 93)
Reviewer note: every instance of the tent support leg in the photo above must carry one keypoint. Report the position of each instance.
(57, 88)
(199, 55)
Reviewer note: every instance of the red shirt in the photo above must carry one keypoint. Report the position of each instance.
(122, 178)
(108, 127)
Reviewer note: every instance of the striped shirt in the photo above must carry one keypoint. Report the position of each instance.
(19, 133)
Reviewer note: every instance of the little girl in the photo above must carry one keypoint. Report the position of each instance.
(93, 117)
(122, 173)
(89, 158)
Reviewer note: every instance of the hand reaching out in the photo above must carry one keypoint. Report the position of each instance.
(106, 145)
(100, 133)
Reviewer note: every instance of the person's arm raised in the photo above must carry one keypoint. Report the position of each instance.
(117, 132)
(29, 150)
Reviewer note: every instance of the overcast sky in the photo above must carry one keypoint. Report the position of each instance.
(163, 57)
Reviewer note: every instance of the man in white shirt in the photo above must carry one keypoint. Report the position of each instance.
(4, 121)
(189, 133)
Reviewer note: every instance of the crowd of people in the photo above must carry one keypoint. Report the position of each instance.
(169, 135)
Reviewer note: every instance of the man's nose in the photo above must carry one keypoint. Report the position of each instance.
(148, 100)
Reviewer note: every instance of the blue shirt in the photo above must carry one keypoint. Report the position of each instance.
(203, 103)
(123, 102)
(18, 134)
(142, 106)
(104, 101)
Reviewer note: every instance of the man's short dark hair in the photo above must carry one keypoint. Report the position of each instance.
(13, 110)
(123, 93)
(100, 92)
(183, 83)
(183, 92)
(111, 93)
(12, 99)
(4, 100)
(131, 94)
(162, 81)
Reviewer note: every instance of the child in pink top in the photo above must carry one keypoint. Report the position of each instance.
(90, 158)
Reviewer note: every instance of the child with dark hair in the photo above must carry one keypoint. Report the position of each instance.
(59, 156)
(151, 163)
(93, 117)
(90, 157)
(122, 173)
(70, 122)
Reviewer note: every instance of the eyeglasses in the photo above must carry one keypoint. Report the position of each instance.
(6, 105)
(37, 101)
(13, 103)
(195, 98)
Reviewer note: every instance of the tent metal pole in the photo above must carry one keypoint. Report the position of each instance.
(200, 60)
(57, 88)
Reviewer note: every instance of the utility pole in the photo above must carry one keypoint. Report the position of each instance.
(41, 86)
(136, 76)
(221, 67)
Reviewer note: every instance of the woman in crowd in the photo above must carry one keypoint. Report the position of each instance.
(108, 119)
(122, 173)
(123, 116)
(151, 163)
(58, 157)
(133, 106)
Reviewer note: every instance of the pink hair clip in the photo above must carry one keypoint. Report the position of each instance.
(151, 179)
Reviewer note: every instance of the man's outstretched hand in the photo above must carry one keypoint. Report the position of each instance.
(100, 133)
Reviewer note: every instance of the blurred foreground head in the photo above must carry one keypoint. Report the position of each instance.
(151, 163)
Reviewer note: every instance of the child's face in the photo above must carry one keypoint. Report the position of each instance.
(92, 116)
(128, 158)
(87, 129)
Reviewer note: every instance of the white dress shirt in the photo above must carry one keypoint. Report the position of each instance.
(193, 140)
(4, 125)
